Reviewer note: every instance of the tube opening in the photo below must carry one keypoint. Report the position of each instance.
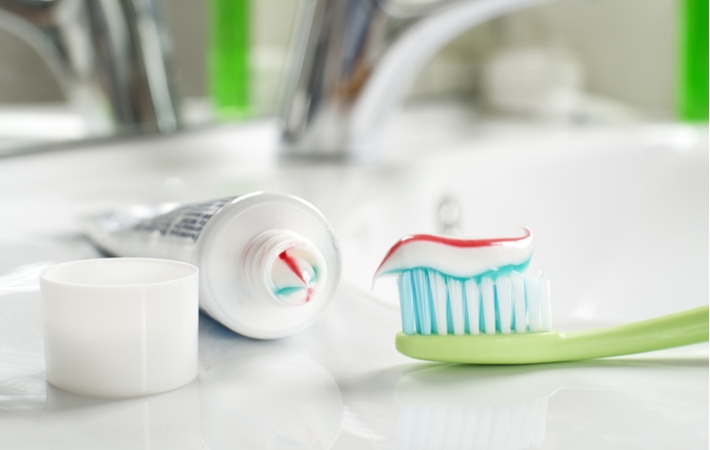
(284, 267)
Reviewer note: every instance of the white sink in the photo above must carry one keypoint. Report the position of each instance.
(620, 217)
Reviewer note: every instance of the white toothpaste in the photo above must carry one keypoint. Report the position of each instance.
(455, 257)
(269, 262)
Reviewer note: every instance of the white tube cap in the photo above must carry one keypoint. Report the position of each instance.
(120, 327)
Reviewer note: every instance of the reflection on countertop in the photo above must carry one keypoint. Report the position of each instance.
(626, 401)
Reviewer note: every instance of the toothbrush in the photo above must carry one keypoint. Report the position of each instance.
(470, 301)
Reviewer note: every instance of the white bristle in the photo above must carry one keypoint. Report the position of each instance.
(533, 303)
(473, 305)
(435, 303)
(489, 309)
(437, 283)
(505, 304)
(519, 302)
(422, 301)
(409, 325)
(455, 288)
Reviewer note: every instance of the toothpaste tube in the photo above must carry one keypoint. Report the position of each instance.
(269, 262)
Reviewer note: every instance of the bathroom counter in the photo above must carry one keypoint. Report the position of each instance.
(620, 216)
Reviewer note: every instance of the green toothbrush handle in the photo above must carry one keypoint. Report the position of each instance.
(674, 330)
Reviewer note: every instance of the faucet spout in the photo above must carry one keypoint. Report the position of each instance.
(358, 58)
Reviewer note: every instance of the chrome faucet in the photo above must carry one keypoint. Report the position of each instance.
(355, 60)
(109, 56)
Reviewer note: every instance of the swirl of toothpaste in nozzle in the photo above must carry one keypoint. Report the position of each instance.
(293, 279)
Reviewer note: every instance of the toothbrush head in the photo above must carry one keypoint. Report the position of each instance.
(468, 286)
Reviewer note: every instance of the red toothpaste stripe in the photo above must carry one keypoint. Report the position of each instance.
(291, 264)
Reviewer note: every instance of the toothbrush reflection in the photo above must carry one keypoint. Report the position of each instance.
(458, 407)
(264, 394)
(496, 407)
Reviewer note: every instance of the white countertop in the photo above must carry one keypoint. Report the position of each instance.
(599, 200)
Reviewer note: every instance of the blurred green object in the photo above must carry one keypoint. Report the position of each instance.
(693, 76)
(229, 71)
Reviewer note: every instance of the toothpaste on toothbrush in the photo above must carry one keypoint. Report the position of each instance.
(459, 258)
(269, 262)
(467, 286)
